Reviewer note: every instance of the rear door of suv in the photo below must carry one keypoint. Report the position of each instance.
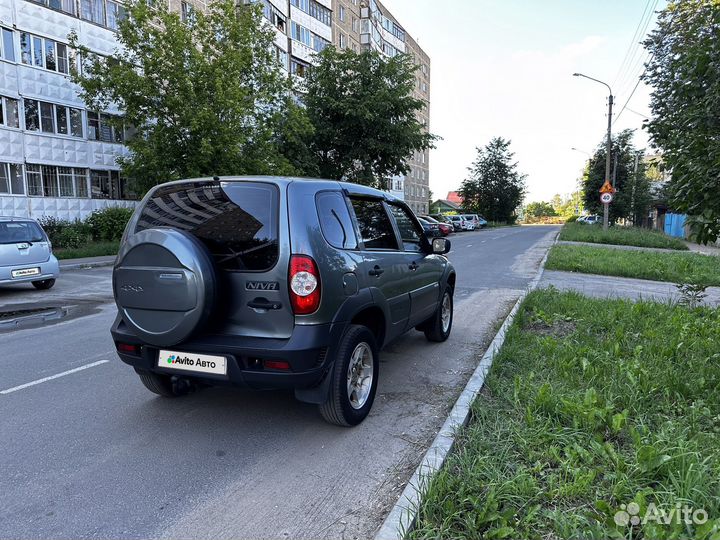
(243, 227)
(385, 265)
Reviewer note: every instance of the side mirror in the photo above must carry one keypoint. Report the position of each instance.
(440, 246)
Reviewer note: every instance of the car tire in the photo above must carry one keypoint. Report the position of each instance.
(44, 284)
(438, 328)
(349, 400)
(162, 385)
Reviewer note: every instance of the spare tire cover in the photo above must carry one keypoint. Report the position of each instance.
(164, 285)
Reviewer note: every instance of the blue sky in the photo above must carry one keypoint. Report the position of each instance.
(504, 68)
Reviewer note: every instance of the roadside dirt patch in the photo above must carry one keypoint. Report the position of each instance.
(556, 329)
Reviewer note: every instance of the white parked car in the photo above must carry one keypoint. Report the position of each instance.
(26, 254)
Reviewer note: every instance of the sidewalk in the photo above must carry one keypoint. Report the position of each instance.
(618, 246)
(619, 287)
(706, 250)
(86, 262)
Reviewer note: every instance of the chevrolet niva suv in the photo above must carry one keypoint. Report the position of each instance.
(276, 283)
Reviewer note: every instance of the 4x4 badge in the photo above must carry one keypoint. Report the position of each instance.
(262, 285)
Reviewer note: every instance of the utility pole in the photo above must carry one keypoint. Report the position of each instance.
(608, 150)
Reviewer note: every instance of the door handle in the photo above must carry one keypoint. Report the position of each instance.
(261, 303)
(377, 271)
(413, 266)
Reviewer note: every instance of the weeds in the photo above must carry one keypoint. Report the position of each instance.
(621, 236)
(622, 409)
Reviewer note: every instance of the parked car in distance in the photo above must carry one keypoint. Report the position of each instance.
(271, 282)
(456, 221)
(477, 222)
(26, 254)
(483, 221)
(431, 229)
(590, 220)
(445, 228)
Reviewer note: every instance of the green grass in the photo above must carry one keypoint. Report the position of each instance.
(673, 267)
(590, 404)
(622, 236)
(94, 249)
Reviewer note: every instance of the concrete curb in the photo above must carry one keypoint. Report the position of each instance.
(84, 265)
(402, 516)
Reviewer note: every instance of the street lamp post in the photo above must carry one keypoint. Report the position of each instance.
(606, 206)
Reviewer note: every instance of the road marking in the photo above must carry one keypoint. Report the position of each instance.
(51, 377)
(469, 245)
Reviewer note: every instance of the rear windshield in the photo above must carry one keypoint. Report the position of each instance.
(14, 232)
(238, 222)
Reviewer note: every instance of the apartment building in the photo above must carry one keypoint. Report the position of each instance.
(362, 24)
(58, 158)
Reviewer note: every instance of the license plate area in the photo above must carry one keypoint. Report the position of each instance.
(192, 362)
(25, 272)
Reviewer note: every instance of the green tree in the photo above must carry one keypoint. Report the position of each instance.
(494, 187)
(540, 209)
(206, 95)
(684, 71)
(633, 188)
(567, 205)
(364, 115)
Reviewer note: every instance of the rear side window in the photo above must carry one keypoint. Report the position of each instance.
(376, 230)
(335, 221)
(237, 222)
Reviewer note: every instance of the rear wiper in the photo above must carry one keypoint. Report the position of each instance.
(241, 253)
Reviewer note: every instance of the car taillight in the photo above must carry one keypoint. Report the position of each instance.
(304, 285)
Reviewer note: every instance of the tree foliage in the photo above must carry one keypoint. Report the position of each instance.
(633, 187)
(206, 95)
(568, 205)
(540, 209)
(494, 187)
(684, 71)
(364, 115)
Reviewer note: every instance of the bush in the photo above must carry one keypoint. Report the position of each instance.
(109, 223)
(572, 219)
(53, 227)
(73, 235)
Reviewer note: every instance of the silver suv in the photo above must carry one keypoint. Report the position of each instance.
(26, 254)
(276, 283)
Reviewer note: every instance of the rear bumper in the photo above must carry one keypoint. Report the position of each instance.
(49, 269)
(309, 352)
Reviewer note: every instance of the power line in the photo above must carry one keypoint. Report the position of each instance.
(636, 61)
(633, 42)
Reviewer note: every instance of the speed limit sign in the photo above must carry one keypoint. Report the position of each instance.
(606, 198)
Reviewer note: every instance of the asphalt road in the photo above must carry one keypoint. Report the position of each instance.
(87, 452)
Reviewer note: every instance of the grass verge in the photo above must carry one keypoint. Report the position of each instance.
(590, 405)
(672, 267)
(621, 236)
(95, 249)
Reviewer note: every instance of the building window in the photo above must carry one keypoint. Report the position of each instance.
(66, 6)
(104, 127)
(315, 10)
(299, 68)
(45, 53)
(305, 36)
(354, 24)
(7, 47)
(108, 185)
(52, 181)
(11, 181)
(282, 57)
(9, 112)
(107, 13)
(51, 118)
(342, 41)
(187, 12)
(341, 13)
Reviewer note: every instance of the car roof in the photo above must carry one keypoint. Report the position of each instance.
(7, 219)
